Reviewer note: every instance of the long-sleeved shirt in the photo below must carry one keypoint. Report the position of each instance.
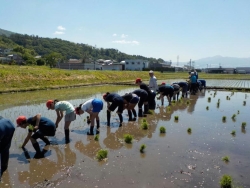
(153, 83)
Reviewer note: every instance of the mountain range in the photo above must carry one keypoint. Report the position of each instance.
(208, 62)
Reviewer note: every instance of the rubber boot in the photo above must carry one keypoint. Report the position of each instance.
(46, 140)
(146, 109)
(130, 115)
(121, 119)
(4, 161)
(38, 154)
(66, 131)
(91, 131)
(140, 113)
(108, 118)
(135, 115)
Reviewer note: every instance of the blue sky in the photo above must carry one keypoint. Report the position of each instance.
(190, 29)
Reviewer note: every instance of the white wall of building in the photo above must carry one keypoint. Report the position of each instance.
(135, 64)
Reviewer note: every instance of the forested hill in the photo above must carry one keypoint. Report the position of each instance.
(66, 49)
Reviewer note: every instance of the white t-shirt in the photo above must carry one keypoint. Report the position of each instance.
(153, 83)
(87, 105)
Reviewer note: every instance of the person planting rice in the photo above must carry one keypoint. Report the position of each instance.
(203, 83)
(92, 107)
(38, 127)
(151, 95)
(184, 88)
(176, 91)
(166, 90)
(193, 83)
(7, 130)
(117, 101)
(130, 101)
(59, 107)
(143, 100)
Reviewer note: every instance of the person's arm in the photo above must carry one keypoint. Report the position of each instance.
(59, 117)
(26, 139)
(37, 119)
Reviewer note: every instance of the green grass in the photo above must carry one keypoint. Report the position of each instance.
(102, 154)
(226, 181)
(143, 146)
(128, 138)
(162, 129)
(225, 159)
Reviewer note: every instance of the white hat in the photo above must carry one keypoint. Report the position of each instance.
(151, 71)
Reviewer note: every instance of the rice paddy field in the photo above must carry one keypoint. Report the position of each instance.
(204, 139)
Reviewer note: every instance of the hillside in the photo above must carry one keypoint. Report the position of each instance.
(5, 32)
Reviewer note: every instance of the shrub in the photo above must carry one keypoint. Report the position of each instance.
(226, 181)
(143, 146)
(162, 129)
(128, 138)
(102, 154)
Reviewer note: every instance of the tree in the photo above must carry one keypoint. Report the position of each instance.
(40, 62)
(52, 59)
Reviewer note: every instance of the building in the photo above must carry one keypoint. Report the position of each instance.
(135, 64)
(242, 70)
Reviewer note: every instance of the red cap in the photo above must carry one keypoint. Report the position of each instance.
(137, 80)
(104, 96)
(163, 83)
(48, 103)
(20, 120)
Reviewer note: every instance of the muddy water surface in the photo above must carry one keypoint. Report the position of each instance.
(173, 159)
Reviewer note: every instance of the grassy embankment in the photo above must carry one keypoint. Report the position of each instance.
(25, 78)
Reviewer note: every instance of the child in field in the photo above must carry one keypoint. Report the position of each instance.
(117, 101)
(59, 107)
(92, 107)
(38, 127)
(130, 100)
(7, 130)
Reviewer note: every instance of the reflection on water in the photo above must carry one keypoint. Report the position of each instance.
(173, 159)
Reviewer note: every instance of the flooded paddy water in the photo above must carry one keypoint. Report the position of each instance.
(172, 159)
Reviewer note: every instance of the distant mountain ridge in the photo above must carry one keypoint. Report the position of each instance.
(5, 32)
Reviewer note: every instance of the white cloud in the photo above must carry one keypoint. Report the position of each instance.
(61, 28)
(58, 33)
(126, 42)
(114, 35)
(123, 36)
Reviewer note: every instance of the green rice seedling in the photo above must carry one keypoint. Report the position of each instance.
(218, 100)
(218, 104)
(188, 102)
(238, 112)
(244, 103)
(243, 125)
(226, 181)
(143, 146)
(150, 112)
(173, 101)
(176, 118)
(168, 108)
(102, 154)
(233, 116)
(233, 133)
(227, 97)
(189, 130)
(96, 137)
(162, 129)
(209, 99)
(128, 138)
(207, 107)
(225, 159)
(224, 118)
(144, 120)
(144, 125)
